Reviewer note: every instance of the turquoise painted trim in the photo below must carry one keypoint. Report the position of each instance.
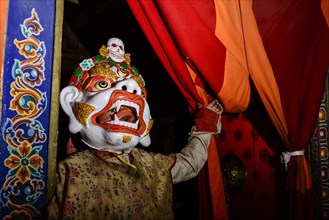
(26, 108)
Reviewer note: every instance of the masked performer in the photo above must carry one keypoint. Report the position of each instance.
(113, 179)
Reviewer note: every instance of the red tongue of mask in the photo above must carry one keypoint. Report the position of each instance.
(126, 114)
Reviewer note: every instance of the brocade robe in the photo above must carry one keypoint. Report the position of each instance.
(93, 185)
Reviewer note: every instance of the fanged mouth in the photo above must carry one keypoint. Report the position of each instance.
(123, 113)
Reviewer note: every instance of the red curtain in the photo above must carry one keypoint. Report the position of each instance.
(295, 37)
(212, 49)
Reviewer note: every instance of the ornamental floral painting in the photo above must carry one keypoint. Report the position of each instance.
(25, 108)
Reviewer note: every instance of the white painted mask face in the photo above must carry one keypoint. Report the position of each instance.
(115, 119)
(106, 101)
(116, 49)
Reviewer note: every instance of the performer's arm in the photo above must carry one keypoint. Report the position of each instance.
(193, 156)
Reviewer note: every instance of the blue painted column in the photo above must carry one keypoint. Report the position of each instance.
(26, 105)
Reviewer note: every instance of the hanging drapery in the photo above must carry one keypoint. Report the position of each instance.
(183, 70)
(213, 48)
(295, 37)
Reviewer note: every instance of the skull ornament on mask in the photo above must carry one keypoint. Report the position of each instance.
(116, 49)
(107, 108)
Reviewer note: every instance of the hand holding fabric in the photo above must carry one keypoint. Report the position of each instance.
(208, 119)
(191, 159)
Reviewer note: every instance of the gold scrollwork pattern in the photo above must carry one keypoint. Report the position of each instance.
(23, 130)
(82, 112)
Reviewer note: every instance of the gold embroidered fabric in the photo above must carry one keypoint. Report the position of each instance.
(94, 187)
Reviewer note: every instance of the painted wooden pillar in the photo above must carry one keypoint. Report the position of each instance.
(319, 156)
(29, 66)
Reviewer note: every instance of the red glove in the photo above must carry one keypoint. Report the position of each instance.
(208, 119)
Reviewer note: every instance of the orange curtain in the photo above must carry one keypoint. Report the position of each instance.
(212, 49)
(183, 70)
(295, 37)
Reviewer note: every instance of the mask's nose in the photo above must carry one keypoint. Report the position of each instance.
(129, 85)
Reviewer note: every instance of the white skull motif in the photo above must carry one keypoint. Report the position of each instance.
(116, 48)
